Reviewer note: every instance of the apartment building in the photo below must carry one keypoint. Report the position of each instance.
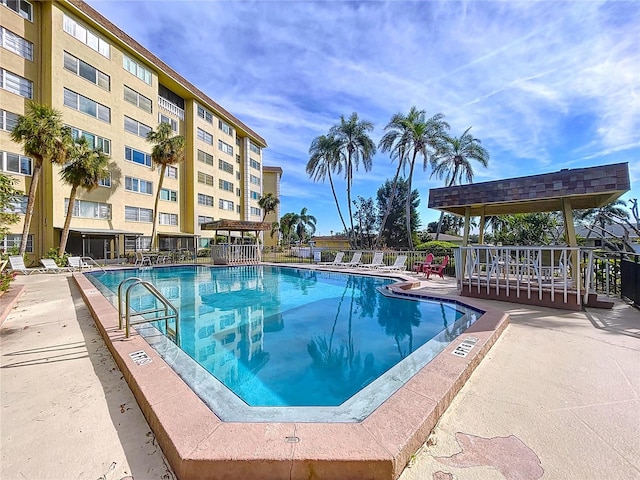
(113, 91)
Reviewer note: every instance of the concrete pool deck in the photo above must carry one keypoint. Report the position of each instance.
(557, 397)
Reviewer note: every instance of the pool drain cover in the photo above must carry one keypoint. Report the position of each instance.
(140, 357)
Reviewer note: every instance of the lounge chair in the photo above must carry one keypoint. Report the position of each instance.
(79, 263)
(354, 262)
(420, 266)
(50, 266)
(398, 265)
(17, 265)
(437, 269)
(142, 260)
(336, 261)
(376, 261)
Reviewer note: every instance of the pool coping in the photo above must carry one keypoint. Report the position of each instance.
(199, 445)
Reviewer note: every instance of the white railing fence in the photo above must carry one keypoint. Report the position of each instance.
(236, 254)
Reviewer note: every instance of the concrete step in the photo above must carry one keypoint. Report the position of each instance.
(594, 301)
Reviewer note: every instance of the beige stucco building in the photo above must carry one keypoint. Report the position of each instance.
(112, 90)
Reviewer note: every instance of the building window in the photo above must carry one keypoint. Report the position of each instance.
(168, 195)
(225, 147)
(237, 175)
(95, 141)
(86, 36)
(237, 158)
(86, 105)
(205, 114)
(135, 127)
(86, 71)
(11, 242)
(137, 243)
(255, 180)
(171, 172)
(254, 148)
(168, 219)
(137, 99)
(225, 205)
(225, 167)
(254, 164)
(137, 214)
(17, 205)
(138, 185)
(256, 211)
(224, 185)
(202, 219)
(237, 192)
(85, 209)
(16, 44)
(136, 156)
(204, 157)
(255, 195)
(225, 127)
(164, 119)
(206, 200)
(105, 182)
(16, 84)
(133, 67)
(205, 136)
(15, 163)
(8, 120)
(205, 179)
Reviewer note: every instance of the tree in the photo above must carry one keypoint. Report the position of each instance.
(8, 195)
(366, 216)
(304, 222)
(166, 151)
(325, 158)
(44, 138)
(268, 203)
(394, 232)
(354, 145)
(286, 226)
(453, 161)
(86, 168)
(527, 229)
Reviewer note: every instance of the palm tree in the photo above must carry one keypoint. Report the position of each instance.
(166, 151)
(43, 138)
(452, 161)
(420, 135)
(285, 227)
(303, 221)
(87, 167)
(354, 145)
(324, 158)
(268, 203)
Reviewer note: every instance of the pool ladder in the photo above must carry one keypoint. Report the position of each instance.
(124, 311)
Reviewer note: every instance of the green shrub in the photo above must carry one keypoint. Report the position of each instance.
(60, 261)
(438, 248)
(6, 277)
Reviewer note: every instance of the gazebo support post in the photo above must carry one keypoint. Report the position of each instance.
(481, 233)
(570, 237)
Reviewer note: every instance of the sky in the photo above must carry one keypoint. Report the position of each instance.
(545, 85)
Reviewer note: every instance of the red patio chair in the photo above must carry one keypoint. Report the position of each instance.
(419, 267)
(437, 269)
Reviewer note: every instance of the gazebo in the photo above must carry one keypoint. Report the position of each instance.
(557, 275)
(229, 253)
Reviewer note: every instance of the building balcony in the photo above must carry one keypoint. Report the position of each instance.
(171, 107)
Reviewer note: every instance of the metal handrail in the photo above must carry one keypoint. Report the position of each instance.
(135, 281)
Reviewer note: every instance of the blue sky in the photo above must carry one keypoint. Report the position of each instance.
(545, 85)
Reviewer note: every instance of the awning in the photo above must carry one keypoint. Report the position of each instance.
(178, 234)
(103, 232)
(236, 226)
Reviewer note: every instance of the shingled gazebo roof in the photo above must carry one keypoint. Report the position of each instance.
(590, 187)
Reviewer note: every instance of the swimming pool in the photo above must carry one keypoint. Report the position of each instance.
(273, 343)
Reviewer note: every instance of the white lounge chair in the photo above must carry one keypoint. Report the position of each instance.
(79, 263)
(398, 265)
(354, 262)
(376, 261)
(142, 260)
(50, 266)
(17, 265)
(336, 261)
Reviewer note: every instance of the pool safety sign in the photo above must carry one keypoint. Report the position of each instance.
(465, 347)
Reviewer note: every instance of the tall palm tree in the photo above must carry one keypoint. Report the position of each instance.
(44, 138)
(166, 151)
(453, 161)
(421, 135)
(354, 145)
(304, 221)
(324, 158)
(268, 203)
(87, 167)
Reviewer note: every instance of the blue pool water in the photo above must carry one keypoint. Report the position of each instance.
(280, 336)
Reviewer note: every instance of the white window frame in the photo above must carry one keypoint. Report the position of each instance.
(136, 98)
(7, 118)
(95, 141)
(205, 114)
(225, 127)
(225, 204)
(86, 36)
(205, 157)
(205, 179)
(205, 200)
(147, 157)
(101, 211)
(138, 185)
(225, 185)
(148, 214)
(13, 240)
(204, 136)
(254, 148)
(9, 79)
(225, 166)
(74, 101)
(73, 64)
(168, 219)
(25, 164)
(137, 69)
(172, 195)
(16, 44)
(162, 118)
(225, 147)
(254, 164)
(204, 219)
(26, 14)
(141, 129)
(171, 172)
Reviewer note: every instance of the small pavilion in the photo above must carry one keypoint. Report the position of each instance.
(228, 253)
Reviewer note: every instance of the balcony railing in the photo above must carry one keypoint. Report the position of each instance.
(171, 107)
(235, 254)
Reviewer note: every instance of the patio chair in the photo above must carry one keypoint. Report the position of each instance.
(17, 265)
(142, 260)
(77, 263)
(437, 269)
(50, 266)
(336, 261)
(398, 265)
(354, 262)
(376, 261)
(419, 266)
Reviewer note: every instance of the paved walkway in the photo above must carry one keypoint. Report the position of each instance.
(558, 397)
